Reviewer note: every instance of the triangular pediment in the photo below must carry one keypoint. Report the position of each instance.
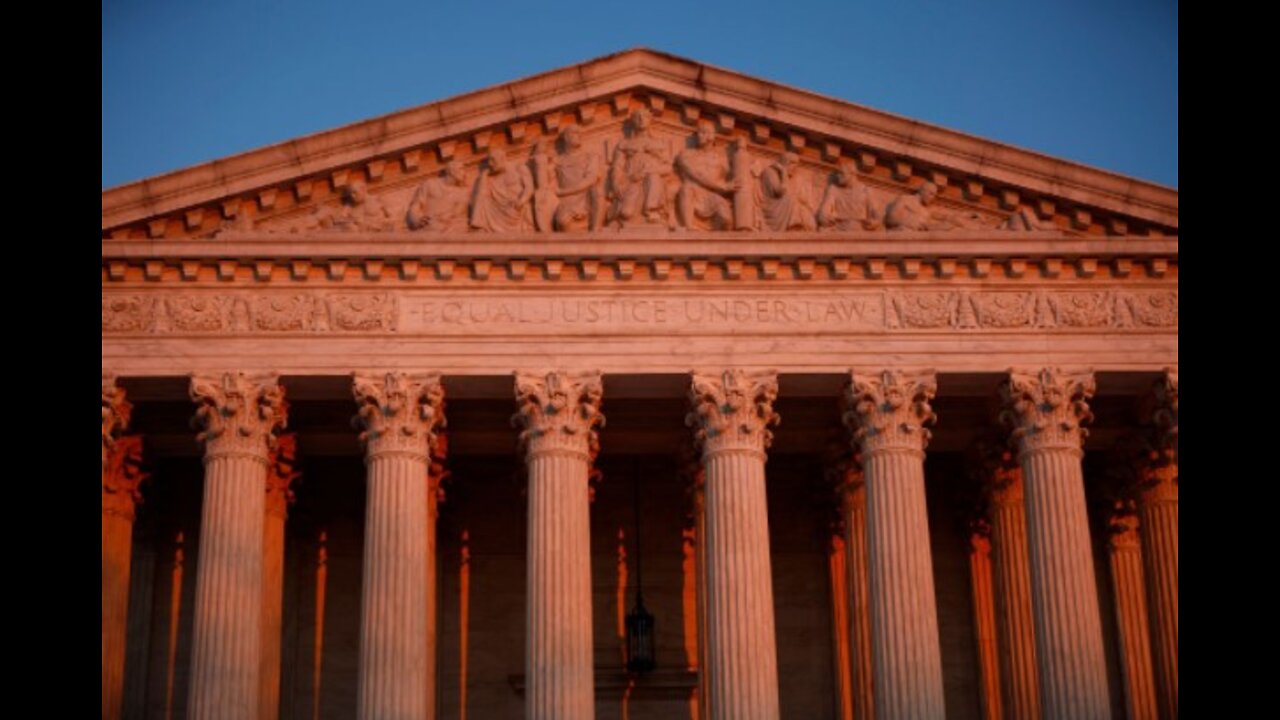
(771, 157)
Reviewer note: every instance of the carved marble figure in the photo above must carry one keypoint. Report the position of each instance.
(357, 211)
(638, 175)
(503, 194)
(784, 200)
(577, 178)
(544, 193)
(916, 212)
(706, 184)
(847, 203)
(440, 202)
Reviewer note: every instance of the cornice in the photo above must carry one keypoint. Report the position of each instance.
(626, 255)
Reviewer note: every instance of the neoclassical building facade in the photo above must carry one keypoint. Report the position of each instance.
(409, 418)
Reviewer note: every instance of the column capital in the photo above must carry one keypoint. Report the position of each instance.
(693, 474)
(1164, 415)
(239, 413)
(400, 413)
(559, 412)
(1122, 526)
(888, 411)
(732, 410)
(280, 473)
(846, 480)
(842, 467)
(1047, 408)
(123, 475)
(997, 471)
(115, 414)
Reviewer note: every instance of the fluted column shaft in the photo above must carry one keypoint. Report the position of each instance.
(887, 413)
(561, 681)
(984, 626)
(400, 415)
(904, 613)
(559, 413)
(117, 537)
(1068, 628)
(731, 412)
(841, 653)
(393, 642)
(740, 625)
(859, 595)
(227, 640)
(1047, 409)
(239, 415)
(1158, 524)
(120, 477)
(1125, 557)
(278, 497)
(1016, 626)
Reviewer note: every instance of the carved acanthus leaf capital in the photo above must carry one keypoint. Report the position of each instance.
(239, 413)
(122, 476)
(1165, 415)
(693, 474)
(1122, 526)
(281, 473)
(1047, 408)
(399, 412)
(889, 410)
(559, 411)
(115, 415)
(733, 410)
(845, 481)
(995, 467)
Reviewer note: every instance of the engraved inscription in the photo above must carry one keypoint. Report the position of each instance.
(862, 312)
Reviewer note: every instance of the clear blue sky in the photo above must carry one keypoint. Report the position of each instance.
(185, 81)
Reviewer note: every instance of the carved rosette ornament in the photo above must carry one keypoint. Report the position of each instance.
(239, 414)
(889, 411)
(559, 412)
(115, 414)
(1047, 409)
(399, 413)
(281, 473)
(733, 410)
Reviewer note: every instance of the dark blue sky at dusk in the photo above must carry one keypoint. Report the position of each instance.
(1090, 81)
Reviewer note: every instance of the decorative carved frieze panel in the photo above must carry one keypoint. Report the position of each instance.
(461, 313)
(640, 170)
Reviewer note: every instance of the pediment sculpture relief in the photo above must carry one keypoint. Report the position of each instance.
(648, 177)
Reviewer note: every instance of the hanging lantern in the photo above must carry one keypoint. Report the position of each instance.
(640, 624)
(640, 640)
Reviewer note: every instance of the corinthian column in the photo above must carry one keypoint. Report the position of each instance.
(1002, 483)
(558, 414)
(279, 475)
(238, 416)
(1046, 409)
(731, 413)
(1158, 523)
(121, 474)
(400, 415)
(887, 413)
